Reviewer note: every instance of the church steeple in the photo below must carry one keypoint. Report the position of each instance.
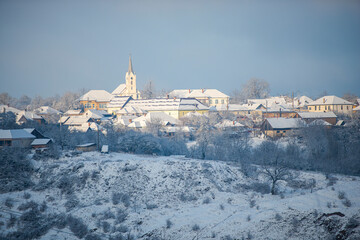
(130, 70)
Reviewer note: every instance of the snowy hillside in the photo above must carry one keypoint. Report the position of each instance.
(124, 196)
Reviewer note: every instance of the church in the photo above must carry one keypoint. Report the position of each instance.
(99, 99)
(129, 88)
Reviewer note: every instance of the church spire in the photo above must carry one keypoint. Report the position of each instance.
(130, 65)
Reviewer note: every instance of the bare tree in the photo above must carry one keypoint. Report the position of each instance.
(149, 90)
(5, 98)
(255, 88)
(350, 97)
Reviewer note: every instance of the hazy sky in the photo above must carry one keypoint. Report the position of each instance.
(50, 47)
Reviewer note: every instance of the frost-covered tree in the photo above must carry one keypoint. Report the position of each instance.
(149, 90)
(5, 98)
(255, 88)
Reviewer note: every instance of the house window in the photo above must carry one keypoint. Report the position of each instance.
(93, 105)
(210, 101)
(222, 101)
(216, 101)
(278, 131)
(341, 107)
(315, 108)
(309, 108)
(131, 82)
(347, 107)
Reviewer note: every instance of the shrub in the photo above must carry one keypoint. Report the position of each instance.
(27, 205)
(262, 188)
(352, 223)
(248, 218)
(9, 202)
(121, 197)
(121, 216)
(187, 198)
(108, 215)
(122, 229)
(11, 222)
(168, 223)
(252, 203)
(77, 226)
(27, 195)
(151, 206)
(195, 227)
(347, 202)
(341, 195)
(15, 170)
(222, 207)
(43, 207)
(278, 217)
(71, 203)
(105, 226)
(93, 237)
(206, 200)
(328, 204)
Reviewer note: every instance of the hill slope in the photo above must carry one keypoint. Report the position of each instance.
(147, 197)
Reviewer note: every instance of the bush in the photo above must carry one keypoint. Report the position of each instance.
(195, 227)
(262, 188)
(11, 222)
(105, 226)
(93, 237)
(71, 203)
(121, 197)
(151, 206)
(168, 223)
(252, 203)
(347, 202)
(27, 195)
(222, 207)
(248, 218)
(9, 202)
(206, 200)
(77, 226)
(27, 205)
(278, 217)
(122, 229)
(341, 195)
(187, 198)
(121, 216)
(15, 170)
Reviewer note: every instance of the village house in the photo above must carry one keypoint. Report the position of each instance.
(95, 99)
(208, 97)
(309, 117)
(280, 127)
(15, 138)
(26, 116)
(331, 104)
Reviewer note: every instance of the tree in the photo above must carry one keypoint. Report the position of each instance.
(5, 98)
(255, 88)
(149, 90)
(350, 97)
(273, 164)
(23, 102)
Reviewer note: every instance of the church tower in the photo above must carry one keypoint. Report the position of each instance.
(130, 81)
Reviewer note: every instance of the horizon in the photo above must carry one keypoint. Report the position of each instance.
(306, 47)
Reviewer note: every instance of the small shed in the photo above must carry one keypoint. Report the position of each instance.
(87, 147)
(41, 143)
(279, 127)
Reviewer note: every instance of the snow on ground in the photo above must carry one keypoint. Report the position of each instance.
(213, 195)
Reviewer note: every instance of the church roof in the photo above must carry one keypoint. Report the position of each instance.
(130, 70)
(197, 93)
(119, 90)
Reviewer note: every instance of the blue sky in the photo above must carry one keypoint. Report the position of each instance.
(49, 47)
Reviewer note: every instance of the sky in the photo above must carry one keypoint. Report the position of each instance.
(49, 47)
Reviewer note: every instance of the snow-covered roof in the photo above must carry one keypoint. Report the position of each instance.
(317, 114)
(285, 123)
(77, 120)
(5, 108)
(118, 101)
(277, 108)
(228, 123)
(46, 110)
(28, 115)
(302, 101)
(73, 112)
(165, 104)
(40, 141)
(197, 93)
(96, 95)
(268, 101)
(320, 122)
(332, 100)
(357, 108)
(15, 134)
(86, 145)
(96, 114)
(140, 124)
(119, 90)
(153, 117)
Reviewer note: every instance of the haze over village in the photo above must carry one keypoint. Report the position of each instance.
(230, 120)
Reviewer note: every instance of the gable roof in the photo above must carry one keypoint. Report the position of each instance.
(118, 101)
(317, 114)
(40, 141)
(330, 100)
(96, 95)
(15, 134)
(197, 93)
(46, 110)
(285, 123)
(28, 115)
(6, 108)
(119, 90)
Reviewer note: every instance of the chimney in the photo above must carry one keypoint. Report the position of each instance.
(130, 120)
(233, 122)
(167, 96)
(89, 124)
(202, 90)
(174, 98)
(323, 100)
(189, 91)
(280, 112)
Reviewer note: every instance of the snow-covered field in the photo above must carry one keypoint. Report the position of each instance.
(152, 197)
